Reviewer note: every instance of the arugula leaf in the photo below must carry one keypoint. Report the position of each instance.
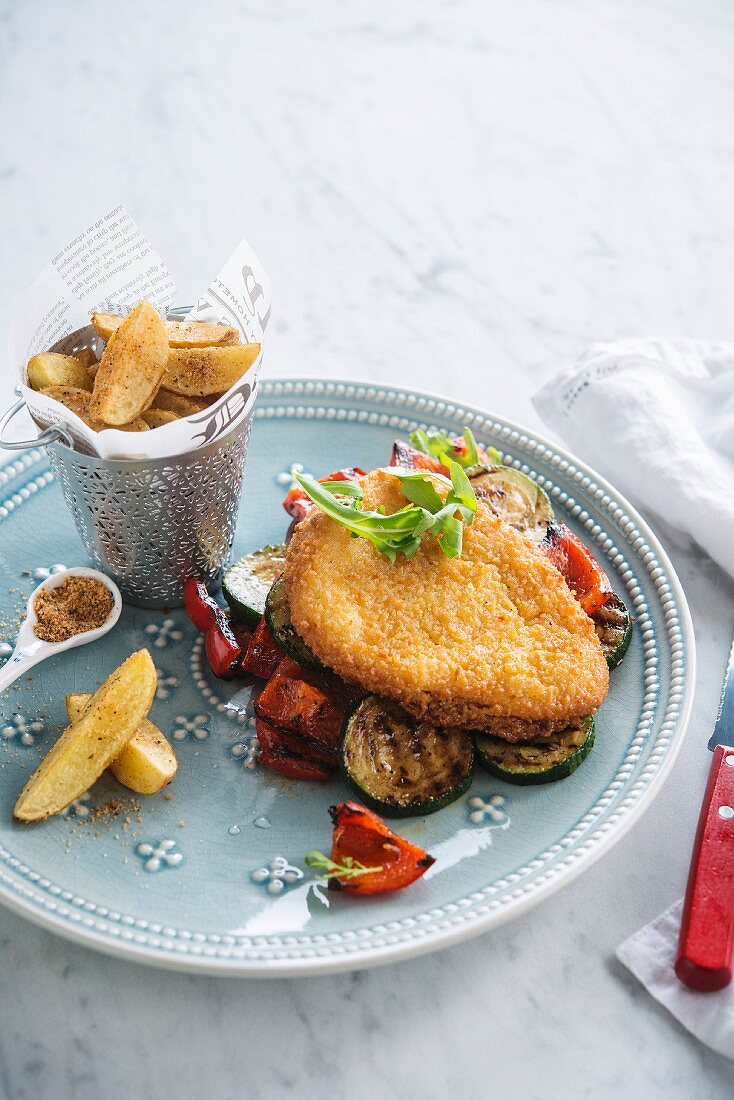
(471, 455)
(344, 488)
(391, 535)
(400, 532)
(439, 445)
(347, 869)
(417, 487)
(462, 493)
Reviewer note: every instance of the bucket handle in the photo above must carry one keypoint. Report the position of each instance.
(49, 435)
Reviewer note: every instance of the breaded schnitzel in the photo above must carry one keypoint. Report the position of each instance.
(493, 632)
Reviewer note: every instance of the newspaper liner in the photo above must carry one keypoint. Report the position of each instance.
(111, 265)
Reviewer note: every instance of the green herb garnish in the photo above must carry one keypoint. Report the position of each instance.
(400, 533)
(440, 446)
(348, 868)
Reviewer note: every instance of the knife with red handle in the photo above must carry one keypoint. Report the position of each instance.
(706, 943)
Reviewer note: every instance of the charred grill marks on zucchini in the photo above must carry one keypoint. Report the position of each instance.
(402, 767)
(613, 625)
(515, 498)
(278, 618)
(529, 763)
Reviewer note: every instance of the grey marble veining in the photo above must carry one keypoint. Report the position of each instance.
(456, 196)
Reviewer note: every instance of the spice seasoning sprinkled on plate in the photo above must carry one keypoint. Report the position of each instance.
(77, 605)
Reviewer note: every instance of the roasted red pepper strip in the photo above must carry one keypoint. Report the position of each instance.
(243, 636)
(577, 565)
(200, 607)
(301, 702)
(406, 455)
(222, 648)
(360, 835)
(460, 449)
(279, 738)
(263, 655)
(275, 754)
(298, 504)
(403, 454)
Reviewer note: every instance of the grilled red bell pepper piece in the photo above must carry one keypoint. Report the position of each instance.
(302, 703)
(243, 635)
(263, 654)
(298, 504)
(406, 455)
(363, 837)
(459, 444)
(275, 754)
(199, 605)
(223, 649)
(297, 746)
(403, 454)
(577, 565)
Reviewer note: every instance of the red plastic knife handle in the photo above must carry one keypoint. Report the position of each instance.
(706, 941)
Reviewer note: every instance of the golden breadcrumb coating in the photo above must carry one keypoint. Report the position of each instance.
(494, 632)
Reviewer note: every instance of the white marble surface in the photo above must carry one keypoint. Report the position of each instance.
(456, 196)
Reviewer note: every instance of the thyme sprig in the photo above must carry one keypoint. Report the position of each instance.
(348, 868)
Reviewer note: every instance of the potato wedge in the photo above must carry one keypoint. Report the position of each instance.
(180, 334)
(79, 401)
(87, 358)
(90, 745)
(156, 418)
(146, 764)
(203, 371)
(51, 369)
(178, 404)
(131, 367)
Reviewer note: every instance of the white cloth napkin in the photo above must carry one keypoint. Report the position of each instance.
(657, 418)
(650, 955)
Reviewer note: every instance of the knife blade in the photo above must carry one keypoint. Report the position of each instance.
(706, 941)
(724, 726)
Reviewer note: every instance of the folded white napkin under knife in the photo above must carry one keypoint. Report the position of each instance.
(656, 417)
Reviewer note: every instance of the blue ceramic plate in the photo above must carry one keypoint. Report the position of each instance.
(210, 875)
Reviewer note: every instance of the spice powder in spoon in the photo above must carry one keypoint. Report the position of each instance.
(78, 604)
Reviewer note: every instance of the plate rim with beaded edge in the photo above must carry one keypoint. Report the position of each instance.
(429, 917)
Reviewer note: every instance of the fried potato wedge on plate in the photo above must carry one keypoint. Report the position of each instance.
(51, 369)
(204, 371)
(131, 368)
(146, 764)
(180, 334)
(87, 747)
(80, 402)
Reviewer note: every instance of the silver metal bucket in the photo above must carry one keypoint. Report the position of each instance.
(151, 523)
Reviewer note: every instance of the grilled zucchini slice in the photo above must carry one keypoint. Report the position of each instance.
(246, 584)
(278, 618)
(530, 762)
(401, 767)
(516, 498)
(613, 625)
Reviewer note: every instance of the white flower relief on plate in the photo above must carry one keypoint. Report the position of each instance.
(22, 730)
(164, 633)
(277, 875)
(158, 855)
(191, 727)
(490, 809)
(167, 683)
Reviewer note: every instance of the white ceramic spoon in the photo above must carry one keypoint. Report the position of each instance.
(29, 649)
